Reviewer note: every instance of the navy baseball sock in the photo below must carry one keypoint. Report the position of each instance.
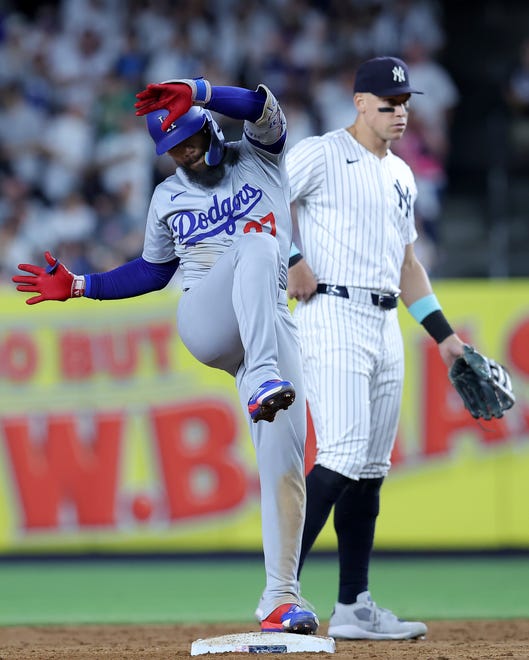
(355, 515)
(323, 489)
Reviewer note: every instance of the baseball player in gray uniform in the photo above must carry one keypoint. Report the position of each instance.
(354, 203)
(224, 218)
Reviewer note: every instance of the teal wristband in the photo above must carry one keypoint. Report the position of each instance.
(294, 250)
(421, 308)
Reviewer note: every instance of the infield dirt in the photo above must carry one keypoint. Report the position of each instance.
(446, 640)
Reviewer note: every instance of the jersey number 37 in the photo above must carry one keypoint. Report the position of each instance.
(258, 225)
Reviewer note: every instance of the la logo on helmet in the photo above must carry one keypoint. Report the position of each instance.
(171, 127)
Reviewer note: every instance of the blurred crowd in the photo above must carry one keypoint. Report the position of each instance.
(77, 167)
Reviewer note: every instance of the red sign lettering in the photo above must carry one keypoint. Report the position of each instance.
(18, 357)
(75, 355)
(201, 472)
(83, 354)
(160, 337)
(63, 469)
(310, 444)
(518, 347)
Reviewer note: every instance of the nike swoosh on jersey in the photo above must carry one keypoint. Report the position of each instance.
(174, 196)
(350, 162)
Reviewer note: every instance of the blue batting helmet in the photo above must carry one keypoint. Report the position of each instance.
(184, 127)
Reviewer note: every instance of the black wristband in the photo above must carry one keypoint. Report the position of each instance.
(294, 259)
(437, 326)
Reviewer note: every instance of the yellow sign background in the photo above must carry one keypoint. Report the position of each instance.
(467, 494)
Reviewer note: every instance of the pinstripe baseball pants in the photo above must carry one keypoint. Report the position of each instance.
(353, 359)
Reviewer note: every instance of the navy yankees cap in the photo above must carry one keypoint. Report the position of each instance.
(383, 76)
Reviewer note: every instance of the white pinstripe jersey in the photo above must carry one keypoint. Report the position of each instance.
(355, 210)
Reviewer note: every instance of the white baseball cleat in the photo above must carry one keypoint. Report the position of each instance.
(365, 620)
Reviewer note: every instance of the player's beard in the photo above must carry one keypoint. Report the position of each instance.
(209, 177)
(212, 176)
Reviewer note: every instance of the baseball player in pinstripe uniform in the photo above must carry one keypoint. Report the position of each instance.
(354, 203)
(224, 217)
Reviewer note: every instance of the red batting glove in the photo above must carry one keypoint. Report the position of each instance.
(55, 282)
(177, 98)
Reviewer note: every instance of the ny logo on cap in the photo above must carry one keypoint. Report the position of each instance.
(398, 74)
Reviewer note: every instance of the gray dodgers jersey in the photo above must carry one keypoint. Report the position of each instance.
(355, 210)
(198, 224)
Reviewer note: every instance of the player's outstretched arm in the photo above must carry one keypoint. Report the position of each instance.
(55, 282)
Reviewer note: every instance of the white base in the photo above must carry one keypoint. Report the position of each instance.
(257, 642)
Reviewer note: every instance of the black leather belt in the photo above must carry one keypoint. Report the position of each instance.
(384, 300)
